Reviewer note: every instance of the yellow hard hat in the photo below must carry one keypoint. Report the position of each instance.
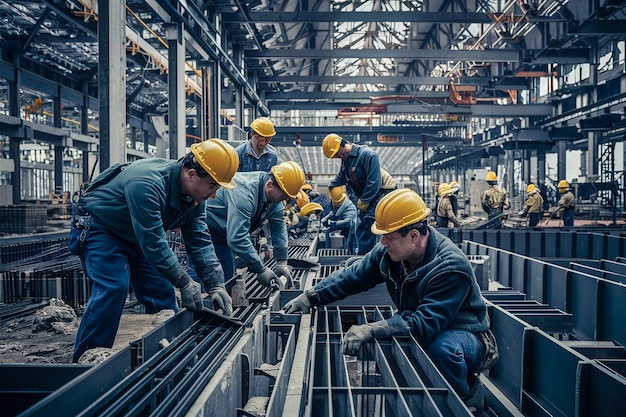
(530, 188)
(310, 208)
(218, 159)
(397, 209)
(455, 185)
(307, 187)
(444, 189)
(289, 176)
(563, 185)
(331, 145)
(301, 199)
(338, 194)
(263, 126)
(491, 176)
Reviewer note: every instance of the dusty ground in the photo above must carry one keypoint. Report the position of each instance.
(19, 344)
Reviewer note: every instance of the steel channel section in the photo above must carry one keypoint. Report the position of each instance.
(285, 356)
(594, 302)
(389, 378)
(585, 243)
(22, 385)
(166, 383)
(73, 398)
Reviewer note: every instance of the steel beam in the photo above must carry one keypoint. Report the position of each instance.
(490, 55)
(371, 17)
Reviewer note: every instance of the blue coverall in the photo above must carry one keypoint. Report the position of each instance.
(234, 213)
(360, 173)
(126, 245)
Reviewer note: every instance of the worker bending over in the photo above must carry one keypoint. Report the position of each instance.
(233, 214)
(367, 183)
(118, 229)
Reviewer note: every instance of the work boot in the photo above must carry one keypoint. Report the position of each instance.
(475, 400)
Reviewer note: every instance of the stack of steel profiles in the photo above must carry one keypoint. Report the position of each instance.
(177, 360)
(24, 247)
(388, 378)
(23, 218)
(597, 307)
(582, 243)
(596, 304)
(298, 251)
(540, 375)
(301, 241)
(58, 278)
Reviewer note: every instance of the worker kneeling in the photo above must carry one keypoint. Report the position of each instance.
(433, 286)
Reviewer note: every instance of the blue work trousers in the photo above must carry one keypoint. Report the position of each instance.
(568, 217)
(458, 354)
(112, 265)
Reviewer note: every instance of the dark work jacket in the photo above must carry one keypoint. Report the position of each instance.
(442, 293)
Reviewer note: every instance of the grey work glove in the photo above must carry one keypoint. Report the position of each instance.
(360, 334)
(384, 329)
(282, 269)
(300, 304)
(191, 294)
(220, 300)
(268, 278)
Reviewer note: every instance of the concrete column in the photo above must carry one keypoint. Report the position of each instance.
(176, 90)
(112, 81)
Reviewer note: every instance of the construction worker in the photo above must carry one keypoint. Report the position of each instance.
(257, 154)
(297, 223)
(533, 206)
(445, 209)
(233, 214)
(119, 231)
(433, 285)
(343, 217)
(315, 197)
(567, 203)
(494, 201)
(454, 197)
(366, 182)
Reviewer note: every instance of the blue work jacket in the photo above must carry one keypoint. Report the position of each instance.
(360, 172)
(441, 293)
(234, 213)
(249, 161)
(143, 201)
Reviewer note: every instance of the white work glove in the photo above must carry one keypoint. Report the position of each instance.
(282, 269)
(268, 278)
(300, 304)
(220, 300)
(191, 295)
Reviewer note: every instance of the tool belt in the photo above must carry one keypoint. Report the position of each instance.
(491, 350)
(81, 222)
